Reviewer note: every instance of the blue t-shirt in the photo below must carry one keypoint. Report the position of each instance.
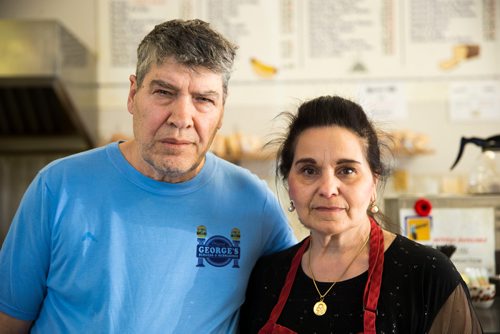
(98, 247)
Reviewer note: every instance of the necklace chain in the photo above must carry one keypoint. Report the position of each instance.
(322, 296)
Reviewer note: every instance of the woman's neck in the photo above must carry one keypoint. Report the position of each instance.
(337, 257)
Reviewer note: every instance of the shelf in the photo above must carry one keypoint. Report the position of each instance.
(403, 153)
(249, 156)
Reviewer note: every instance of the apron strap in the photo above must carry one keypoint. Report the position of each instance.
(375, 268)
(287, 287)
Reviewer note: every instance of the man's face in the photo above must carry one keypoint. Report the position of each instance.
(176, 112)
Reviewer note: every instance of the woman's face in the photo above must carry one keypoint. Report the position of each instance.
(330, 180)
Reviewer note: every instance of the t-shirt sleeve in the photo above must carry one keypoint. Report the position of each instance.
(25, 253)
(278, 233)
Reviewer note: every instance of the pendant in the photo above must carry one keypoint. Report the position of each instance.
(319, 308)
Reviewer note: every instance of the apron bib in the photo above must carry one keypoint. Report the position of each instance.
(372, 288)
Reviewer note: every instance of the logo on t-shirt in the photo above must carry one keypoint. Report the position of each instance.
(218, 250)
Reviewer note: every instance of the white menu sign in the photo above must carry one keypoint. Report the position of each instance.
(297, 42)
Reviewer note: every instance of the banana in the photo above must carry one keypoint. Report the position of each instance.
(460, 53)
(263, 70)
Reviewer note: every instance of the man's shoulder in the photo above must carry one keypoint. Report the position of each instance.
(77, 163)
(239, 174)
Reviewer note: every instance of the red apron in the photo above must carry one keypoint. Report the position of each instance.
(372, 288)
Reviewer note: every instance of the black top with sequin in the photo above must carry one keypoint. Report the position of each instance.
(416, 282)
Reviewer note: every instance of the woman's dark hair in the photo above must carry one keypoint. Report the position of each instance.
(327, 111)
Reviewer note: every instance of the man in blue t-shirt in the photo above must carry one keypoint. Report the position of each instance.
(151, 235)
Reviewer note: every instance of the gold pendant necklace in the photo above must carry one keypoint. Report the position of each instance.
(320, 307)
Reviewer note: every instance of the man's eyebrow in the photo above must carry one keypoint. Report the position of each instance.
(167, 85)
(162, 83)
(208, 93)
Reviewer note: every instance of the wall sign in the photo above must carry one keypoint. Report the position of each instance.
(298, 41)
(470, 230)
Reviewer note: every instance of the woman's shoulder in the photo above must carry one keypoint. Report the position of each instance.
(420, 257)
(414, 248)
(281, 257)
(278, 262)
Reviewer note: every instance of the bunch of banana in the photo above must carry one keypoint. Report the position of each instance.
(263, 70)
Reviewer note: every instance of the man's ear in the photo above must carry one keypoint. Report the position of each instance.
(131, 93)
(221, 119)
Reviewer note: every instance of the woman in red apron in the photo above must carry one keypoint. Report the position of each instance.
(349, 275)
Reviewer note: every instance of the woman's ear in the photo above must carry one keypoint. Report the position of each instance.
(374, 190)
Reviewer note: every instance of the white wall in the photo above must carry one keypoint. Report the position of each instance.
(428, 109)
(247, 113)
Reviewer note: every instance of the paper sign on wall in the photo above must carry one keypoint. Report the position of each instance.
(470, 230)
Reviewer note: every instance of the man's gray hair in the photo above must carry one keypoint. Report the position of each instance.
(191, 43)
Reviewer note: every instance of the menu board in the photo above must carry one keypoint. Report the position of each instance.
(296, 42)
